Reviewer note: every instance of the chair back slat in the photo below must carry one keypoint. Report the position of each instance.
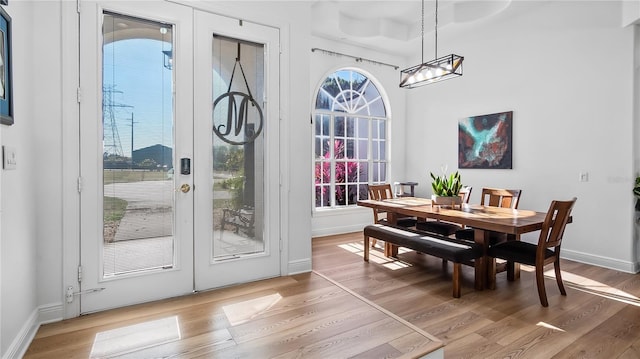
(465, 193)
(496, 197)
(554, 224)
(379, 192)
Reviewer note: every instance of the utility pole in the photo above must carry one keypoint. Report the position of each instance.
(131, 163)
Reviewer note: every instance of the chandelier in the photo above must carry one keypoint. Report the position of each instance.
(439, 69)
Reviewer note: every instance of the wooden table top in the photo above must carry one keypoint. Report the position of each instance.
(505, 220)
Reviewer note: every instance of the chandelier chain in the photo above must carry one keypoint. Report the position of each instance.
(436, 42)
(422, 33)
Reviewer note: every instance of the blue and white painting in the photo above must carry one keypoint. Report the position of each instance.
(486, 141)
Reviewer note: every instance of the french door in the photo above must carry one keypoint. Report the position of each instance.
(176, 193)
(237, 199)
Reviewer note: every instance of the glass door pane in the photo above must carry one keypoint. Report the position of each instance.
(238, 148)
(137, 125)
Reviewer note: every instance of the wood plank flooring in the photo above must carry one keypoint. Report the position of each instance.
(305, 315)
(599, 318)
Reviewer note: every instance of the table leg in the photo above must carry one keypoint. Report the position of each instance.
(391, 250)
(482, 237)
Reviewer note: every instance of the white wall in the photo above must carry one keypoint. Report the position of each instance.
(18, 242)
(630, 12)
(568, 82)
(326, 222)
(32, 240)
(565, 70)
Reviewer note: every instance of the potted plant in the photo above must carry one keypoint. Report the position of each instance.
(636, 192)
(446, 189)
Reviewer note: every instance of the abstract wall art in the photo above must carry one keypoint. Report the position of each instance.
(486, 141)
(6, 79)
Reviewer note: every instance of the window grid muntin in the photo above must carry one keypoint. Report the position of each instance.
(375, 170)
(348, 94)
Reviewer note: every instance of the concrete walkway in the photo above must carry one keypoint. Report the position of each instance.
(144, 238)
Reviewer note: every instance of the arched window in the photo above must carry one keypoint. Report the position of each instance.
(350, 139)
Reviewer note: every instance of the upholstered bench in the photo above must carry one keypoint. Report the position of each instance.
(456, 251)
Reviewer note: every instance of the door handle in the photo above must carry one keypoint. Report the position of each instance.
(185, 188)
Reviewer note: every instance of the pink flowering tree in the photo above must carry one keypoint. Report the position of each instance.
(345, 171)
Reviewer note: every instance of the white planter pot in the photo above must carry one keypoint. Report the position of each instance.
(446, 200)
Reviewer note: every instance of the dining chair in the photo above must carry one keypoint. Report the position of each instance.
(445, 228)
(378, 193)
(495, 197)
(546, 251)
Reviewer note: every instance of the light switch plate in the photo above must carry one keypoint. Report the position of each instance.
(583, 177)
(8, 158)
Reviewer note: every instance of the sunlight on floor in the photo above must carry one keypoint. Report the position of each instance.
(588, 285)
(242, 312)
(549, 326)
(133, 338)
(593, 287)
(376, 255)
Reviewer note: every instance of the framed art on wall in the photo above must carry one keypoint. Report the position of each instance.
(486, 141)
(6, 79)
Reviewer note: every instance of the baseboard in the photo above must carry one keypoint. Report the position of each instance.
(299, 266)
(41, 315)
(50, 313)
(605, 262)
(338, 230)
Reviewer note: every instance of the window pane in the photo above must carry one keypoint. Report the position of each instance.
(237, 192)
(383, 172)
(341, 172)
(352, 194)
(363, 128)
(351, 127)
(353, 169)
(323, 101)
(351, 149)
(339, 129)
(326, 123)
(323, 172)
(338, 149)
(318, 147)
(346, 147)
(137, 124)
(318, 125)
(362, 149)
(363, 193)
(341, 195)
(364, 172)
(322, 196)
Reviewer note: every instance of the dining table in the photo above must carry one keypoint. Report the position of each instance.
(482, 219)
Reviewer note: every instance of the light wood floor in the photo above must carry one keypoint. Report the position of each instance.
(599, 318)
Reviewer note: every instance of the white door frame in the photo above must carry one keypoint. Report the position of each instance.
(70, 140)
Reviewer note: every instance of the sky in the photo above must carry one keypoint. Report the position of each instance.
(140, 86)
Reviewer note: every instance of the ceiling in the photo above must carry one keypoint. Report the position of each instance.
(394, 26)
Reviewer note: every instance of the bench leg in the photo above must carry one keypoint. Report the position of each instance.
(456, 279)
(491, 271)
(366, 248)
